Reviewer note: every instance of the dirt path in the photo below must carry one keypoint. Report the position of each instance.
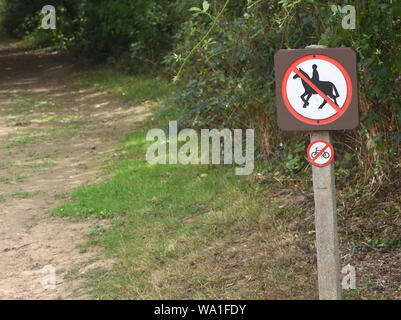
(54, 136)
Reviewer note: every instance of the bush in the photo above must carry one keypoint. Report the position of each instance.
(139, 31)
(230, 78)
(15, 14)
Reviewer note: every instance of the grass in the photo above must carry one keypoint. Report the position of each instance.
(200, 232)
(35, 165)
(24, 194)
(173, 225)
(187, 231)
(28, 104)
(22, 140)
(14, 177)
(5, 165)
(132, 88)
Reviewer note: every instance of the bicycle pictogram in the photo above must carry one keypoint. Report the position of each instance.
(320, 153)
(325, 154)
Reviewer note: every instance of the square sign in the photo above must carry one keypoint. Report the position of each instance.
(316, 89)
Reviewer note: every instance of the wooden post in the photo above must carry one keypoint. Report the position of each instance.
(328, 264)
(328, 257)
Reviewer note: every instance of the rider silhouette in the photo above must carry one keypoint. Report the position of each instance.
(315, 75)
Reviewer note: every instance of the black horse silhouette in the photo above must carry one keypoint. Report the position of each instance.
(328, 88)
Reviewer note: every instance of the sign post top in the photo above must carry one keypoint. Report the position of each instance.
(316, 89)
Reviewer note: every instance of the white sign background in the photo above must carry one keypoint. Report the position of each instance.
(327, 72)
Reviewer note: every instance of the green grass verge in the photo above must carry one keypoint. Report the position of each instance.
(181, 231)
(132, 88)
(169, 224)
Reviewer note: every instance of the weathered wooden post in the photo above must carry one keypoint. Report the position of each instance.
(328, 262)
(328, 257)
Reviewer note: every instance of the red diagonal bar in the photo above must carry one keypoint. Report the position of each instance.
(319, 154)
(319, 92)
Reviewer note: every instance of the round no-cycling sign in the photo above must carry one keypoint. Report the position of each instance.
(320, 153)
(316, 89)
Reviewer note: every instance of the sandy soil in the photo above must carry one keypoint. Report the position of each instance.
(55, 134)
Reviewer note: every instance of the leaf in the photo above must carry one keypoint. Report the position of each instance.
(205, 6)
(334, 8)
(370, 117)
(195, 9)
(397, 138)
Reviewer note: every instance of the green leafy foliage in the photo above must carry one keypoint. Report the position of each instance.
(139, 31)
(228, 75)
(230, 78)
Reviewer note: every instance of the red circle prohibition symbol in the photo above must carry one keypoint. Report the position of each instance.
(340, 111)
(320, 153)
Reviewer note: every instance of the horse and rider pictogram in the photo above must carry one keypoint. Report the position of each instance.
(316, 89)
(327, 87)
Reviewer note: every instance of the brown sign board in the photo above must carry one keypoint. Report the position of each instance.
(316, 89)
